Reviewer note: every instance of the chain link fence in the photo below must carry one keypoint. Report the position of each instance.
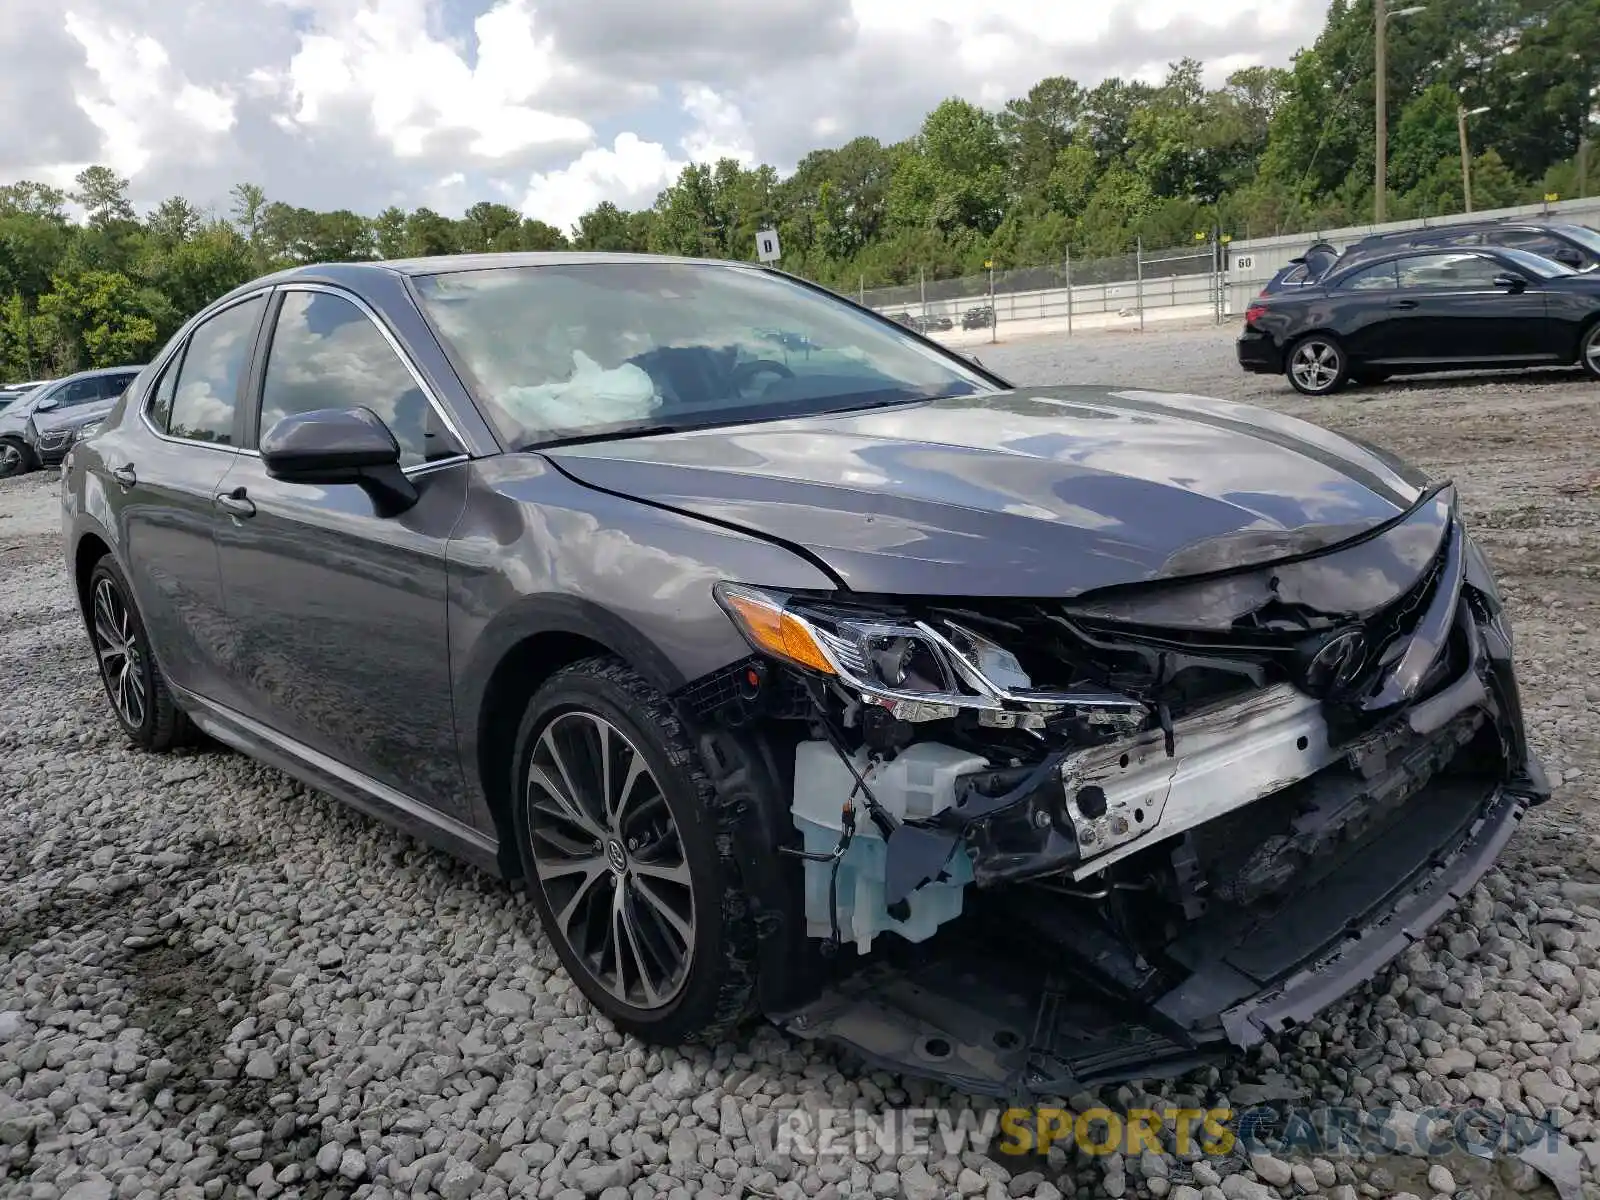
(1114, 290)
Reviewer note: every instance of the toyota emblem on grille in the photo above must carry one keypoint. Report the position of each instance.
(1337, 662)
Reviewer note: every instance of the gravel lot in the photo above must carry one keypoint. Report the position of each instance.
(216, 983)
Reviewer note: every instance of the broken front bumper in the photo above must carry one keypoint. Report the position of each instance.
(990, 1018)
(1027, 999)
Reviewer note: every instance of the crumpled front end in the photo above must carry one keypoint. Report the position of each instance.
(1050, 844)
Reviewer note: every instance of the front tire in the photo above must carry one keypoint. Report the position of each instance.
(1589, 351)
(134, 684)
(1317, 365)
(15, 458)
(626, 859)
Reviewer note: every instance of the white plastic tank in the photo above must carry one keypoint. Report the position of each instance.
(918, 782)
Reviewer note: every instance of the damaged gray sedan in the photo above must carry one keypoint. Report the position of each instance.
(1026, 738)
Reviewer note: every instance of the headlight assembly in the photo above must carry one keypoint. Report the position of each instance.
(917, 671)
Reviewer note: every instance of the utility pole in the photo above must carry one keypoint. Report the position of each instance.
(1583, 142)
(1466, 153)
(1380, 182)
(1380, 171)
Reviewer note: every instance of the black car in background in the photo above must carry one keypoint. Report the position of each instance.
(980, 316)
(1425, 309)
(1565, 242)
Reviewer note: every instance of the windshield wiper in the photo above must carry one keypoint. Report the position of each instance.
(601, 435)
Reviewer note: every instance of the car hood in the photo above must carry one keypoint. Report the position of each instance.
(78, 414)
(14, 417)
(1032, 492)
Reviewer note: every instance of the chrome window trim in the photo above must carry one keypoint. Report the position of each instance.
(439, 409)
(179, 343)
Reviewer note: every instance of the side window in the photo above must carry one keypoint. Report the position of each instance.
(1378, 278)
(112, 386)
(207, 390)
(327, 353)
(80, 392)
(1542, 244)
(161, 395)
(1462, 271)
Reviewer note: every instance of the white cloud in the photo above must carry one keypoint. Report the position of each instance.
(632, 172)
(629, 173)
(415, 87)
(138, 101)
(550, 104)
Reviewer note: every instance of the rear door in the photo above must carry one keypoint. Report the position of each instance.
(337, 615)
(166, 467)
(1361, 312)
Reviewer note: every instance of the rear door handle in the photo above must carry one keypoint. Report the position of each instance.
(236, 503)
(125, 475)
(1402, 304)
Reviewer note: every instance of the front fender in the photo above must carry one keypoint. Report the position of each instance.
(538, 553)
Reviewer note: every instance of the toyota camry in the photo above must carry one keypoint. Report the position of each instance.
(1021, 737)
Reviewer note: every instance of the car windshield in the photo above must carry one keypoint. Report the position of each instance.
(567, 351)
(1581, 234)
(1534, 264)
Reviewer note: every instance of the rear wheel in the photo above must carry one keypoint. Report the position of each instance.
(1317, 366)
(14, 458)
(1590, 353)
(625, 859)
(139, 697)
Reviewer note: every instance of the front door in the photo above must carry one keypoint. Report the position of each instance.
(339, 614)
(1455, 313)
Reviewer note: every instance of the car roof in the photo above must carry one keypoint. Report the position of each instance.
(1465, 227)
(353, 274)
(96, 372)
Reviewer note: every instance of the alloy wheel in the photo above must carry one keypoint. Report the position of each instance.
(121, 663)
(1315, 365)
(1591, 352)
(10, 459)
(609, 856)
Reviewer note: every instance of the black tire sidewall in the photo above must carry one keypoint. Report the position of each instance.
(146, 733)
(1590, 339)
(595, 687)
(1341, 377)
(25, 463)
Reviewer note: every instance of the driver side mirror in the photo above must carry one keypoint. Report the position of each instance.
(1512, 283)
(340, 445)
(47, 404)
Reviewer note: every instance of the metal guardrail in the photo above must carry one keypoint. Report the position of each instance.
(1072, 291)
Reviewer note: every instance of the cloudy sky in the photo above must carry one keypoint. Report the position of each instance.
(547, 105)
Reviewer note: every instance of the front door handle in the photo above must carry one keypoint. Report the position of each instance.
(125, 475)
(1402, 304)
(236, 503)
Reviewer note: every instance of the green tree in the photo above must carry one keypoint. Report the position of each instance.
(99, 319)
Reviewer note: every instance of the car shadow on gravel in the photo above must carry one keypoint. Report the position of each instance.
(1551, 376)
(171, 989)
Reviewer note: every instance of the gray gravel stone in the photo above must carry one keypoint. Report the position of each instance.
(216, 979)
